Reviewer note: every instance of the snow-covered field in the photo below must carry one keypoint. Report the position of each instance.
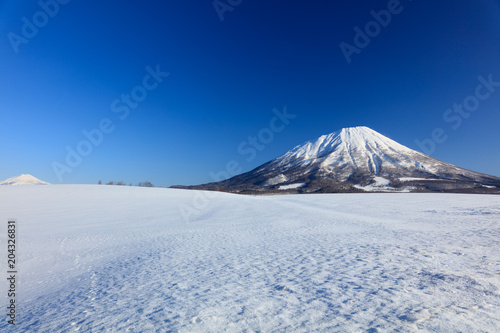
(117, 259)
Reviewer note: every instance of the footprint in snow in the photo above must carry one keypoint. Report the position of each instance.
(283, 288)
(416, 317)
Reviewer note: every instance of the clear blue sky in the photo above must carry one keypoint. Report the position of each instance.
(226, 77)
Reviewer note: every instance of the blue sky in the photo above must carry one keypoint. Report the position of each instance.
(225, 77)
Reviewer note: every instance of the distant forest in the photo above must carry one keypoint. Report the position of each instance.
(122, 183)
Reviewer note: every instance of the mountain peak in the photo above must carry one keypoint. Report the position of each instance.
(347, 141)
(23, 179)
(357, 128)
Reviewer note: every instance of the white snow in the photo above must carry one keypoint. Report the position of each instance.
(111, 258)
(408, 179)
(23, 179)
(488, 186)
(276, 180)
(291, 186)
(379, 184)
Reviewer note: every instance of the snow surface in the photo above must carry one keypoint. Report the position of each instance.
(23, 179)
(291, 186)
(112, 258)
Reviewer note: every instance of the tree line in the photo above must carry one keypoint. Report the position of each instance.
(122, 183)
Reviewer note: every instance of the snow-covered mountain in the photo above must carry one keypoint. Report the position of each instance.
(356, 159)
(23, 179)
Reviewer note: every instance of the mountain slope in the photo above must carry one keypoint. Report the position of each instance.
(355, 159)
(23, 179)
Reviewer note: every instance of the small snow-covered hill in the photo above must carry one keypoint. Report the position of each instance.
(23, 179)
(356, 159)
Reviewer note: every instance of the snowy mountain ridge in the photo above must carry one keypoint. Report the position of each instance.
(23, 179)
(356, 149)
(355, 159)
(345, 138)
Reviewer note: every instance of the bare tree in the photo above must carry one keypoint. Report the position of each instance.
(145, 184)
